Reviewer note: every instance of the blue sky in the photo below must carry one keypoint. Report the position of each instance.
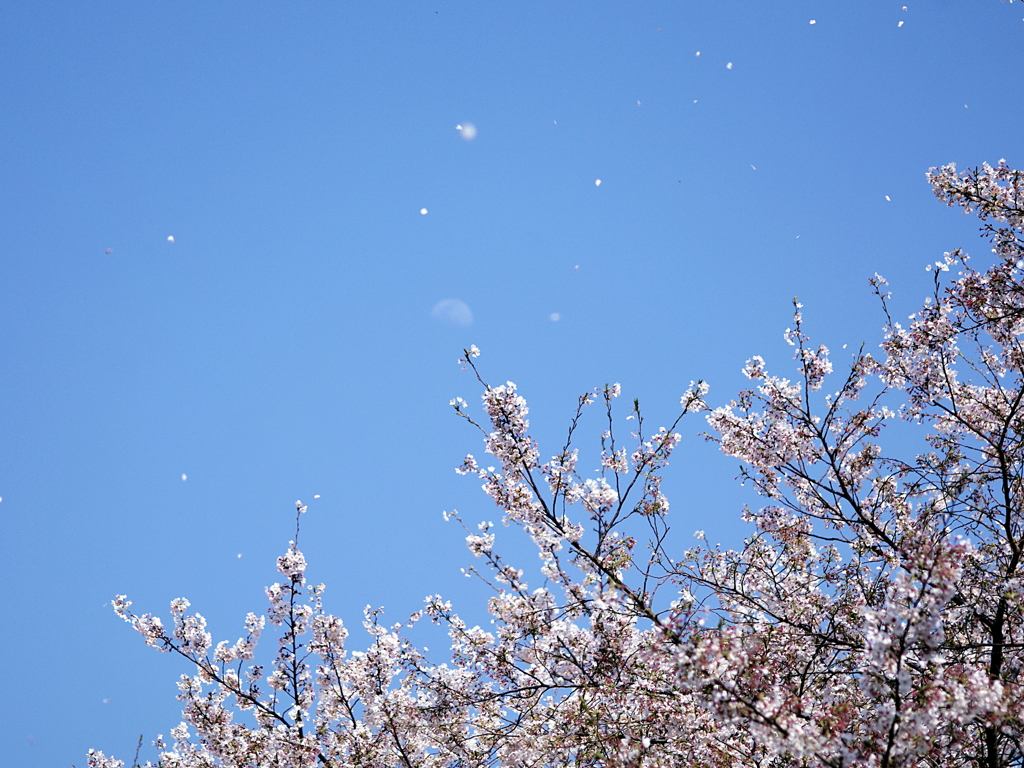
(285, 344)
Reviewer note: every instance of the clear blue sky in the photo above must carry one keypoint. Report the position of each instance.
(285, 344)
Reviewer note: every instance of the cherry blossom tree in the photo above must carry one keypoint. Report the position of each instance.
(873, 617)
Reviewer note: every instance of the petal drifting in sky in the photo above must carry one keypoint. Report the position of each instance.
(453, 312)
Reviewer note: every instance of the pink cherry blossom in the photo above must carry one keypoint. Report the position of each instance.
(872, 617)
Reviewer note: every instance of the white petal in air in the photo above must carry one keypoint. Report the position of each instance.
(900, 24)
(467, 131)
(813, 21)
(729, 65)
(170, 238)
(424, 211)
(184, 477)
(597, 183)
(887, 199)
(452, 312)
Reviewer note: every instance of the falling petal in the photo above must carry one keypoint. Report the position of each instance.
(597, 183)
(184, 477)
(170, 238)
(453, 312)
(468, 131)
(887, 199)
(423, 211)
(900, 24)
(729, 65)
(109, 251)
(813, 21)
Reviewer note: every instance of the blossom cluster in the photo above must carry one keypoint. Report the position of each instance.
(873, 616)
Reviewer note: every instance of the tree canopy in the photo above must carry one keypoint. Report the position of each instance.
(873, 617)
